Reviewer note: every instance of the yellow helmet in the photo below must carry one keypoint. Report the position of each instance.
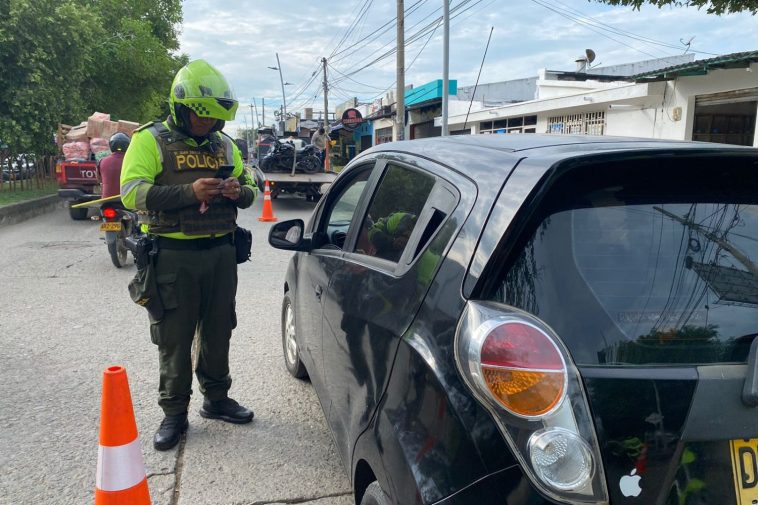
(200, 87)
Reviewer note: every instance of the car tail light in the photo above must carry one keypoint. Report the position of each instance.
(110, 213)
(523, 369)
(521, 372)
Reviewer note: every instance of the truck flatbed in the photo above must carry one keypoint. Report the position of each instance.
(310, 185)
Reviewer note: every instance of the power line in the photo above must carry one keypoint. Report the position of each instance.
(383, 29)
(411, 39)
(351, 79)
(627, 33)
(599, 28)
(361, 15)
(417, 36)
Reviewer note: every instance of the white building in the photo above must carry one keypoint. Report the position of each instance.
(713, 100)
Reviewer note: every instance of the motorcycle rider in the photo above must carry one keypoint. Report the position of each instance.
(109, 168)
(169, 172)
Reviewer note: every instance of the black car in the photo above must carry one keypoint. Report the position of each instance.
(528, 319)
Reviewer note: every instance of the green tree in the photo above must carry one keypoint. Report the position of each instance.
(43, 48)
(133, 65)
(711, 6)
(64, 59)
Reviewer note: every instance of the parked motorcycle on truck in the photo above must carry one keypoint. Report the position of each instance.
(284, 155)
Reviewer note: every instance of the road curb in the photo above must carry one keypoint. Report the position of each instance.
(17, 212)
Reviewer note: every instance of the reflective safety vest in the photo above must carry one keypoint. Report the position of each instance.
(184, 164)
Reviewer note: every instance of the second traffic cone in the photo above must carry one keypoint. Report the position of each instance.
(268, 211)
(120, 478)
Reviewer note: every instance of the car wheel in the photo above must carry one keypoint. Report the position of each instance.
(289, 343)
(78, 214)
(375, 496)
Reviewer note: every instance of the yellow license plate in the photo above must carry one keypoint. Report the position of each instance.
(114, 226)
(745, 470)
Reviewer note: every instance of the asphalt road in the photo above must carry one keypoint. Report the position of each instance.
(66, 316)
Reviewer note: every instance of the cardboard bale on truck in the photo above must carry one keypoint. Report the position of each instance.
(80, 148)
(127, 127)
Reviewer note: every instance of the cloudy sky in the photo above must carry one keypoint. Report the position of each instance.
(358, 37)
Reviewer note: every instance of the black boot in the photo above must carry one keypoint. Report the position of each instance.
(170, 431)
(227, 410)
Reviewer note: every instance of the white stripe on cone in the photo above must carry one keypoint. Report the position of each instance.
(119, 467)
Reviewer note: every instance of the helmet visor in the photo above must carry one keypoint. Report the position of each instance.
(224, 109)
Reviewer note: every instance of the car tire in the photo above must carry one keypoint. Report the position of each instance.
(78, 214)
(375, 496)
(289, 343)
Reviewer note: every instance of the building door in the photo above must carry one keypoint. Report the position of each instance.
(425, 130)
(365, 142)
(728, 118)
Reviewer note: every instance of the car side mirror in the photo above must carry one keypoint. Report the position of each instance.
(288, 235)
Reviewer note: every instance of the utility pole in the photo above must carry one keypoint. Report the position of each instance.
(247, 134)
(326, 97)
(263, 110)
(445, 65)
(252, 137)
(257, 122)
(326, 117)
(738, 255)
(399, 131)
(281, 80)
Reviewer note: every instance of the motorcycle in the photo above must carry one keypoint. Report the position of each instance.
(280, 158)
(119, 224)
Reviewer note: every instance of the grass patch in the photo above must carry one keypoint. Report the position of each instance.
(9, 196)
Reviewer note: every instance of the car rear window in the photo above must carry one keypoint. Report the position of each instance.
(644, 269)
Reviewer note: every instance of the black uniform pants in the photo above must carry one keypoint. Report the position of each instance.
(198, 288)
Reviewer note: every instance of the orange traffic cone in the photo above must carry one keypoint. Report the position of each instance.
(268, 212)
(121, 475)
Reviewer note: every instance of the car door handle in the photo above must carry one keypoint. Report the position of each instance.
(318, 291)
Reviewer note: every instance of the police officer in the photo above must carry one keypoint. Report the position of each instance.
(169, 172)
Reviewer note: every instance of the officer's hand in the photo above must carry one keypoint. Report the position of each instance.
(206, 188)
(231, 188)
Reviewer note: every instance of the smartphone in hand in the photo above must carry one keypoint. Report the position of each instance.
(224, 172)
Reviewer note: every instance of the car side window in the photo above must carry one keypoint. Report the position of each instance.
(398, 201)
(339, 215)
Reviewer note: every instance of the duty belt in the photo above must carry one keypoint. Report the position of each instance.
(194, 244)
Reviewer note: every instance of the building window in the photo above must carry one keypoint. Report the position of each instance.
(383, 135)
(589, 123)
(519, 124)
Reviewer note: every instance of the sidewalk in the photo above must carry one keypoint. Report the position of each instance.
(17, 212)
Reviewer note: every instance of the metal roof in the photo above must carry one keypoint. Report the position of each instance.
(699, 67)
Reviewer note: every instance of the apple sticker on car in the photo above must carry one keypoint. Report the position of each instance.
(630, 484)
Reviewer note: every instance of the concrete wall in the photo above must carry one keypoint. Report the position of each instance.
(17, 212)
(683, 91)
(517, 90)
